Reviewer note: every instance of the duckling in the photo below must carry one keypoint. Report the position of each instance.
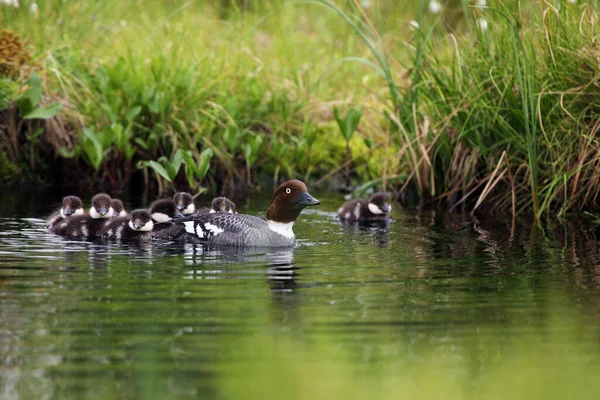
(118, 209)
(87, 225)
(71, 205)
(377, 208)
(136, 227)
(184, 202)
(219, 205)
(162, 213)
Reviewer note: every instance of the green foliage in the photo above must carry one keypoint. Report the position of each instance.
(29, 100)
(8, 91)
(349, 123)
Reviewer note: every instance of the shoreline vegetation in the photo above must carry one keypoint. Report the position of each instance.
(482, 106)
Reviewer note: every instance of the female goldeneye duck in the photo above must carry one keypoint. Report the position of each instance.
(71, 205)
(377, 208)
(219, 205)
(163, 212)
(118, 209)
(184, 202)
(87, 225)
(137, 226)
(242, 230)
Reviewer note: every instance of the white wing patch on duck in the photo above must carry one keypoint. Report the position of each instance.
(214, 229)
(189, 227)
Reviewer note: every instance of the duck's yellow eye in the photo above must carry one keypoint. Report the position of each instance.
(288, 190)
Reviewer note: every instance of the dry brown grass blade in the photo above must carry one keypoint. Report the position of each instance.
(491, 182)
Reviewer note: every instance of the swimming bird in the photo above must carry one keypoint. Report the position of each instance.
(71, 205)
(162, 213)
(135, 227)
(118, 209)
(90, 224)
(219, 204)
(377, 208)
(184, 202)
(240, 230)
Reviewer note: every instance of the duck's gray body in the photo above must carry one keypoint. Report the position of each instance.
(237, 230)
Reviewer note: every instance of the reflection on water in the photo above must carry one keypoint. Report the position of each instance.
(79, 318)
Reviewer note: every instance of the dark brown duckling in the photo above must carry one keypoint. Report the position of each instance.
(71, 205)
(136, 227)
(118, 208)
(377, 208)
(184, 202)
(219, 205)
(88, 225)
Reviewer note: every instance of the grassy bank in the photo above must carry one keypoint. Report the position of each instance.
(483, 108)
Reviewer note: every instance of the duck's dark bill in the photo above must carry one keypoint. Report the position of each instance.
(307, 200)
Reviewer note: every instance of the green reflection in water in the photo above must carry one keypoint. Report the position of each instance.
(433, 306)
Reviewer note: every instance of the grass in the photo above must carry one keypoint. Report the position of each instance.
(501, 119)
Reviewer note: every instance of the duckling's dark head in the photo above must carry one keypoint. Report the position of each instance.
(184, 203)
(380, 203)
(118, 209)
(164, 210)
(141, 221)
(290, 198)
(71, 205)
(223, 205)
(101, 207)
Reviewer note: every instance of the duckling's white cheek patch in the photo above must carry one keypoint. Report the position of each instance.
(189, 209)
(212, 211)
(374, 209)
(160, 217)
(147, 227)
(94, 214)
(123, 213)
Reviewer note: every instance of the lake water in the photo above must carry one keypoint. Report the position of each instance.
(441, 299)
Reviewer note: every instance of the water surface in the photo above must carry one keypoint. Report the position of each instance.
(83, 319)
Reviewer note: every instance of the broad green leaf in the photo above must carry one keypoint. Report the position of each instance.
(44, 112)
(92, 147)
(340, 122)
(131, 114)
(204, 163)
(117, 136)
(110, 112)
(231, 138)
(159, 169)
(141, 143)
(67, 153)
(177, 161)
(351, 122)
